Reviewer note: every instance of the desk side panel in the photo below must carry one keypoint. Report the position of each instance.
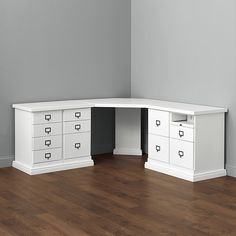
(209, 142)
(23, 136)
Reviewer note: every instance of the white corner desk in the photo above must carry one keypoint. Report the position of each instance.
(184, 140)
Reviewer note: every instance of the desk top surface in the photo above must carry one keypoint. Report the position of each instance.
(177, 107)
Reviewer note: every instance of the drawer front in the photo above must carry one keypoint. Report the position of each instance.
(158, 122)
(47, 117)
(181, 153)
(47, 129)
(158, 148)
(47, 142)
(182, 133)
(47, 155)
(76, 145)
(71, 127)
(77, 114)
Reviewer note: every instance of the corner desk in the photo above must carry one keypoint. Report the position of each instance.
(184, 140)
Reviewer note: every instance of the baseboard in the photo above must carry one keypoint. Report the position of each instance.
(231, 170)
(153, 165)
(6, 161)
(127, 151)
(209, 175)
(52, 167)
(184, 173)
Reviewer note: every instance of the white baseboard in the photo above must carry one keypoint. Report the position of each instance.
(127, 151)
(52, 167)
(6, 161)
(153, 165)
(209, 175)
(184, 174)
(231, 170)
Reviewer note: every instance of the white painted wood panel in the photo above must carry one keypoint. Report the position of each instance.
(181, 133)
(181, 153)
(158, 122)
(76, 145)
(77, 114)
(50, 129)
(158, 148)
(209, 142)
(23, 137)
(127, 132)
(184, 108)
(47, 117)
(42, 156)
(71, 127)
(47, 142)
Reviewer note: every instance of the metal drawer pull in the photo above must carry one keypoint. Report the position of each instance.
(48, 143)
(181, 133)
(48, 130)
(48, 155)
(181, 154)
(48, 117)
(158, 122)
(78, 127)
(158, 148)
(78, 114)
(77, 145)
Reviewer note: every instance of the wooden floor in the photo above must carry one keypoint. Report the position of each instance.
(115, 197)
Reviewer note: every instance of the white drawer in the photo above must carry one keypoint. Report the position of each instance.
(71, 127)
(182, 133)
(158, 122)
(47, 142)
(77, 114)
(181, 153)
(47, 155)
(158, 148)
(76, 145)
(47, 117)
(47, 129)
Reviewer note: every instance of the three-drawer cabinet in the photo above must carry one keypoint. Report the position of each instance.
(186, 146)
(77, 126)
(52, 140)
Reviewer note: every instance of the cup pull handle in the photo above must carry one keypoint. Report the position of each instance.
(48, 142)
(48, 130)
(158, 148)
(181, 133)
(48, 155)
(48, 117)
(77, 145)
(158, 123)
(78, 114)
(181, 154)
(78, 127)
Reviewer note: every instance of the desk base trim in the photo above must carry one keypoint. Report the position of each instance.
(51, 167)
(128, 151)
(186, 175)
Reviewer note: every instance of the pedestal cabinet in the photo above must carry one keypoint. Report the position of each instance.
(186, 146)
(52, 140)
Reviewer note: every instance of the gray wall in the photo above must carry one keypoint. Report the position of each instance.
(185, 50)
(62, 49)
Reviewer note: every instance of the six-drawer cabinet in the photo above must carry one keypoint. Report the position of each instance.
(52, 140)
